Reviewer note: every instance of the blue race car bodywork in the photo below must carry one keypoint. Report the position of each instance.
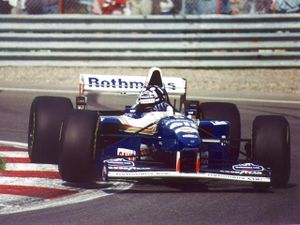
(176, 146)
(170, 134)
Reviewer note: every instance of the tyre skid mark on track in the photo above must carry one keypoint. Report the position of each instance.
(25, 186)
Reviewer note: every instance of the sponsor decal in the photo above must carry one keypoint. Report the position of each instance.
(123, 165)
(177, 120)
(120, 162)
(177, 123)
(125, 152)
(237, 178)
(189, 136)
(219, 123)
(128, 153)
(186, 130)
(114, 83)
(135, 83)
(126, 168)
(247, 167)
(242, 172)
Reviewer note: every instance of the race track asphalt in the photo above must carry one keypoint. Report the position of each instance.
(169, 202)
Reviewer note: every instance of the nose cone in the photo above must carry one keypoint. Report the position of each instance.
(178, 134)
(188, 137)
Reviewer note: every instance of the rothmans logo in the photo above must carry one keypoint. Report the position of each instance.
(114, 83)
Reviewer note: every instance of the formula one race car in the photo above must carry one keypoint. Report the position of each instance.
(155, 138)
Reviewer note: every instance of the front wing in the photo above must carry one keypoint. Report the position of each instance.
(128, 172)
(174, 174)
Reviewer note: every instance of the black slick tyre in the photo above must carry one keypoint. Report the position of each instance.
(271, 147)
(46, 116)
(225, 112)
(78, 147)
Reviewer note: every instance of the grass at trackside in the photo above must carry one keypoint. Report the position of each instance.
(1, 165)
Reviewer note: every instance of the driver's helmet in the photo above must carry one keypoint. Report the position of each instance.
(151, 95)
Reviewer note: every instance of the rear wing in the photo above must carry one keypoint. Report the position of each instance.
(128, 85)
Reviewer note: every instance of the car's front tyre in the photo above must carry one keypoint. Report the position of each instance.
(78, 146)
(271, 147)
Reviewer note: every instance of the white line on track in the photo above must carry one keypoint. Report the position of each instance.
(30, 167)
(14, 154)
(233, 99)
(14, 144)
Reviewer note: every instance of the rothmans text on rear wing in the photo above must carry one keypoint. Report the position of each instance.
(128, 85)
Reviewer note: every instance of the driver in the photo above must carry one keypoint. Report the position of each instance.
(151, 106)
(152, 99)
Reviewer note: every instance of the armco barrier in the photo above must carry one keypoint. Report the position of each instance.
(212, 41)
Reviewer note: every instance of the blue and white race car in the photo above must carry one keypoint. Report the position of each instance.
(155, 138)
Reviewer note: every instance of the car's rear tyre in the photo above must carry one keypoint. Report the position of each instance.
(46, 116)
(271, 147)
(78, 147)
(225, 112)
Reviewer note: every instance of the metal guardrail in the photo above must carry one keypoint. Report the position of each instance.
(212, 41)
